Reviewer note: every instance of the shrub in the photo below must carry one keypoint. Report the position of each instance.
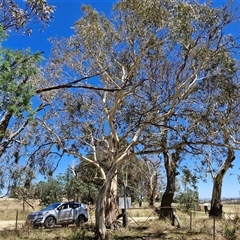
(230, 234)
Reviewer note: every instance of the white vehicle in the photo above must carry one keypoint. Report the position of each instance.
(59, 214)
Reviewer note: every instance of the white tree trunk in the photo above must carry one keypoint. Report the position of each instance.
(101, 204)
(99, 214)
(111, 204)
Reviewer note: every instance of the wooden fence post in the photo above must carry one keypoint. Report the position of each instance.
(214, 228)
(190, 220)
(16, 223)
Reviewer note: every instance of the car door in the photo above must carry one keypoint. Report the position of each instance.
(64, 213)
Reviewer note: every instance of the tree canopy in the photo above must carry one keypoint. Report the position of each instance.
(165, 76)
(158, 78)
(20, 16)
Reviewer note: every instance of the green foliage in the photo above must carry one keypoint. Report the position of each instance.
(16, 70)
(230, 234)
(150, 67)
(80, 184)
(79, 234)
(77, 189)
(49, 192)
(188, 200)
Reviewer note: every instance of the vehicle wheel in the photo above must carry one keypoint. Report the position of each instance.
(80, 220)
(49, 222)
(35, 226)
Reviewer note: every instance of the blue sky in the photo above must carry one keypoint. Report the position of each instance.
(67, 12)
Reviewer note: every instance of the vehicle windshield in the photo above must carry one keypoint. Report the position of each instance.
(51, 207)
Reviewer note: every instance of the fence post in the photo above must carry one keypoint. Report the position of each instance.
(190, 220)
(214, 228)
(16, 223)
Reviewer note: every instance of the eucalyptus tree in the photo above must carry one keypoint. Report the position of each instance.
(218, 158)
(202, 48)
(142, 176)
(216, 162)
(217, 120)
(150, 174)
(20, 16)
(150, 60)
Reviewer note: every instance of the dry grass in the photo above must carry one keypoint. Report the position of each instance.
(142, 225)
(151, 230)
(12, 209)
(70, 233)
(141, 212)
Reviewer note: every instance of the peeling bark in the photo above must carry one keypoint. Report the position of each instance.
(171, 163)
(167, 198)
(111, 204)
(102, 203)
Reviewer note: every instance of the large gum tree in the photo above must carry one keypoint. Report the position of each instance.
(149, 60)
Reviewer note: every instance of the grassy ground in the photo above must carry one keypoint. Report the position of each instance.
(142, 225)
(12, 209)
(151, 230)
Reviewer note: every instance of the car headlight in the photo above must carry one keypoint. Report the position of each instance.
(39, 216)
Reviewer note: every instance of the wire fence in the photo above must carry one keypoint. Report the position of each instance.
(197, 222)
(200, 222)
(193, 221)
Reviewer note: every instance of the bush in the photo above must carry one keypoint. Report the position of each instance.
(230, 234)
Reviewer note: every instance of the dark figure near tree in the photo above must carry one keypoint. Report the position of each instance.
(140, 201)
(221, 208)
(206, 208)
